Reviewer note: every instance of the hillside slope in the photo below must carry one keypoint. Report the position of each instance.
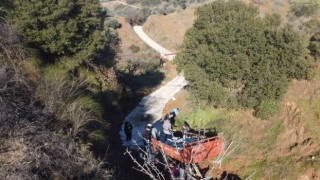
(169, 30)
(288, 145)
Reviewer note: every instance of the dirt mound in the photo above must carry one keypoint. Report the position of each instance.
(169, 30)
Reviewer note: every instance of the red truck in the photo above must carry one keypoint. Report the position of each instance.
(194, 152)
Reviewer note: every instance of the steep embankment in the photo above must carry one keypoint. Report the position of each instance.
(286, 146)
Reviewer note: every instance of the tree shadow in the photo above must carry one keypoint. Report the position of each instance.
(116, 106)
(229, 176)
(143, 83)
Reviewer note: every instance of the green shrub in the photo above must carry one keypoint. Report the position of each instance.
(204, 118)
(134, 48)
(267, 109)
(61, 28)
(305, 8)
(202, 87)
(112, 23)
(136, 16)
(143, 15)
(182, 4)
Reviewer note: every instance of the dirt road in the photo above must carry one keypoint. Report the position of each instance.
(161, 50)
(150, 108)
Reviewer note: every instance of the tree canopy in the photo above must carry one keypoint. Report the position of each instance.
(62, 29)
(231, 56)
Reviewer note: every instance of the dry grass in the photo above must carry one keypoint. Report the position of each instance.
(169, 30)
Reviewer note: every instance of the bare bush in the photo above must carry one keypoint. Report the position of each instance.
(29, 148)
(63, 98)
(80, 116)
(10, 47)
(13, 103)
(47, 155)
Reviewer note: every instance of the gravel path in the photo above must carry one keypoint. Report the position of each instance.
(150, 107)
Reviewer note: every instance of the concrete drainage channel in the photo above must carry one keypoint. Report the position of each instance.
(151, 107)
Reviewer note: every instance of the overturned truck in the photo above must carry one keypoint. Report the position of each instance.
(192, 152)
(197, 147)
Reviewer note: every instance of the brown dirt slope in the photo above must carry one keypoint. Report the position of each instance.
(169, 30)
(128, 37)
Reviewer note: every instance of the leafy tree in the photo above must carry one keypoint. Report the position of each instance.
(71, 31)
(248, 58)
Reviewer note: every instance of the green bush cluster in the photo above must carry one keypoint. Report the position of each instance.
(208, 117)
(112, 23)
(70, 32)
(267, 109)
(133, 15)
(231, 55)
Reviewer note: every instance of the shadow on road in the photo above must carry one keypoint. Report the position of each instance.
(142, 84)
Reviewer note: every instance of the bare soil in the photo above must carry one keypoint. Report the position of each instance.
(169, 30)
(128, 38)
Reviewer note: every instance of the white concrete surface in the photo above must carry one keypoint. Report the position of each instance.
(151, 107)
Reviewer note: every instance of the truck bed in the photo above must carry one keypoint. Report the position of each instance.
(193, 152)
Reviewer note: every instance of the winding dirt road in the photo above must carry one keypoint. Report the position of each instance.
(150, 107)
